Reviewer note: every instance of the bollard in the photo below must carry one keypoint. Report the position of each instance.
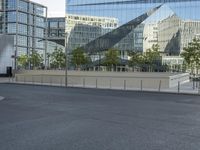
(160, 86)
(141, 85)
(178, 86)
(124, 84)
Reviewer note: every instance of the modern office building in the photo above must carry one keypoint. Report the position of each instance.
(56, 30)
(82, 29)
(55, 34)
(158, 13)
(150, 35)
(26, 21)
(174, 34)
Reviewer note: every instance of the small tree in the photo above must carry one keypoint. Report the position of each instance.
(136, 60)
(58, 59)
(35, 60)
(191, 55)
(152, 55)
(112, 58)
(78, 58)
(23, 60)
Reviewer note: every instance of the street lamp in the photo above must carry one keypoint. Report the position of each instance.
(66, 60)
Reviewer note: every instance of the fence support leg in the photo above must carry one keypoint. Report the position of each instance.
(178, 86)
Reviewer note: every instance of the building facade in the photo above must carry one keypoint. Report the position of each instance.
(81, 29)
(175, 33)
(55, 34)
(26, 21)
(161, 28)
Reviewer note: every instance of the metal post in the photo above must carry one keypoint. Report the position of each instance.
(110, 83)
(124, 84)
(96, 83)
(83, 82)
(178, 86)
(160, 86)
(141, 85)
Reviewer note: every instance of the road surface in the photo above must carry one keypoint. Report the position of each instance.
(53, 118)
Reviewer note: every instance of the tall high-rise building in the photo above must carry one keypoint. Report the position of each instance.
(26, 21)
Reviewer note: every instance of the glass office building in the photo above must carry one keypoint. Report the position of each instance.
(56, 30)
(133, 25)
(25, 20)
(55, 34)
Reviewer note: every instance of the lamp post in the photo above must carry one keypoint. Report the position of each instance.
(66, 60)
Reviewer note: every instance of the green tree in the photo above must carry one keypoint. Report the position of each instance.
(58, 59)
(191, 55)
(78, 58)
(23, 61)
(136, 60)
(35, 60)
(111, 58)
(152, 56)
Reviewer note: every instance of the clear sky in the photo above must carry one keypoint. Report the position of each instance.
(56, 8)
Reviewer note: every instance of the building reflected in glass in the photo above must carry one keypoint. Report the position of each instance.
(172, 26)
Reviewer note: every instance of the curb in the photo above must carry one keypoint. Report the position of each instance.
(144, 91)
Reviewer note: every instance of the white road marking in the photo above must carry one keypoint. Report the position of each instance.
(1, 98)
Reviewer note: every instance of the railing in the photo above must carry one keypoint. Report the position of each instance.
(107, 83)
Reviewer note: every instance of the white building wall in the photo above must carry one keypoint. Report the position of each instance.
(6, 51)
(150, 35)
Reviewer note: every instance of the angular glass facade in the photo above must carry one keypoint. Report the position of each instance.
(25, 20)
(171, 24)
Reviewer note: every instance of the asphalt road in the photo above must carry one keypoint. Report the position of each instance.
(52, 118)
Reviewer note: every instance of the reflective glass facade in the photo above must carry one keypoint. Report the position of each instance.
(25, 20)
(56, 27)
(56, 33)
(98, 25)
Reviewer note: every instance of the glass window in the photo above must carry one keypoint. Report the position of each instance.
(39, 21)
(53, 24)
(22, 17)
(11, 16)
(39, 32)
(11, 28)
(23, 6)
(22, 29)
(22, 40)
(11, 4)
(61, 24)
(171, 24)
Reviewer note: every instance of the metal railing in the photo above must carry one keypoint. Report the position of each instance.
(106, 83)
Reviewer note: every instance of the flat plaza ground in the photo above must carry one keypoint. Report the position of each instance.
(53, 118)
